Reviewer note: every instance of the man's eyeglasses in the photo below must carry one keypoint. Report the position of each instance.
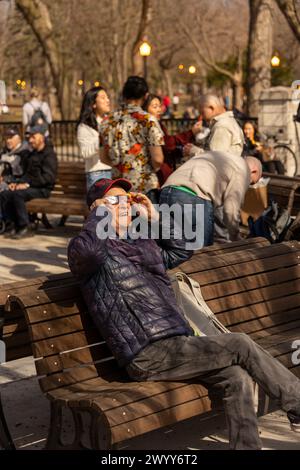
(113, 200)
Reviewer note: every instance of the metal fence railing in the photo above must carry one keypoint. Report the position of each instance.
(63, 135)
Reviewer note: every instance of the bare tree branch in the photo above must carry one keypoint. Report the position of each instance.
(37, 16)
(207, 61)
(290, 9)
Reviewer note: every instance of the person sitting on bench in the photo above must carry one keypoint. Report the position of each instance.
(130, 298)
(12, 157)
(37, 181)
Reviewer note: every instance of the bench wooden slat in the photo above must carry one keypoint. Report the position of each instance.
(279, 338)
(150, 404)
(60, 326)
(105, 370)
(266, 254)
(221, 248)
(255, 281)
(259, 310)
(254, 296)
(59, 362)
(244, 269)
(66, 294)
(95, 387)
(51, 311)
(55, 345)
(263, 324)
(167, 417)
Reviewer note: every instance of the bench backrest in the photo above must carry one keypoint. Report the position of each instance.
(285, 190)
(14, 329)
(70, 181)
(256, 291)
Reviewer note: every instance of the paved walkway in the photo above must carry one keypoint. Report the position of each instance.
(44, 253)
(26, 408)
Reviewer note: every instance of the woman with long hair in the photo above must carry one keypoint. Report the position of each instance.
(95, 106)
(173, 143)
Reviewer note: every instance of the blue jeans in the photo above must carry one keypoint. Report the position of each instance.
(94, 176)
(170, 196)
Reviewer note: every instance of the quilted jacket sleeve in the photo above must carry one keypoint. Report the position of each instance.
(173, 252)
(87, 252)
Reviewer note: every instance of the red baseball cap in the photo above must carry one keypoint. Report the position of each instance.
(103, 185)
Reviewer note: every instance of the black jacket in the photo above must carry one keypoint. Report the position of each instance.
(41, 168)
(127, 290)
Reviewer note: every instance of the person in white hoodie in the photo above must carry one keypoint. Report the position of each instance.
(95, 106)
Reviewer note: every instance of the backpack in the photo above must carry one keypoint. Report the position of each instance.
(38, 117)
(273, 224)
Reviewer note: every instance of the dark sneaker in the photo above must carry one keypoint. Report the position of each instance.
(10, 230)
(22, 233)
(294, 420)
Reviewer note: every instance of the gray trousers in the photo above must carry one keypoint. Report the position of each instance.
(227, 364)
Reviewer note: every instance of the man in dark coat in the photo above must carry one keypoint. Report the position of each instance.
(37, 181)
(13, 155)
(130, 298)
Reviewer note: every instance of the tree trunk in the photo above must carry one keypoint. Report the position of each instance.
(4, 13)
(238, 90)
(146, 17)
(291, 11)
(259, 52)
(37, 16)
(169, 82)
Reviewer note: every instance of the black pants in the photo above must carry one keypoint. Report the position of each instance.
(13, 204)
(228, 364)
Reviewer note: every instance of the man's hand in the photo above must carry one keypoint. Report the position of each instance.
(22, 186)
(145, 206)
(98, 202)
(190, 150)
(12, 186)
(197, 127)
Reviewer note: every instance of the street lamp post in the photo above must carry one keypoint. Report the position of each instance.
(145, 51)
(192, 71)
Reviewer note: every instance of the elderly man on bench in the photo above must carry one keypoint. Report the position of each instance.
(130, 298)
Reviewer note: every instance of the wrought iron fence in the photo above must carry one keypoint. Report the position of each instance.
(63, 134)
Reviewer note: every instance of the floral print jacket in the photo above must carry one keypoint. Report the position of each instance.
(127, 135)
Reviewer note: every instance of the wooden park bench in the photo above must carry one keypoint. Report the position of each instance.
(255, 290)
(68, 196)
(286, 191)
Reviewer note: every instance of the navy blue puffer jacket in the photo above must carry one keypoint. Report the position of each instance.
(126, 289)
